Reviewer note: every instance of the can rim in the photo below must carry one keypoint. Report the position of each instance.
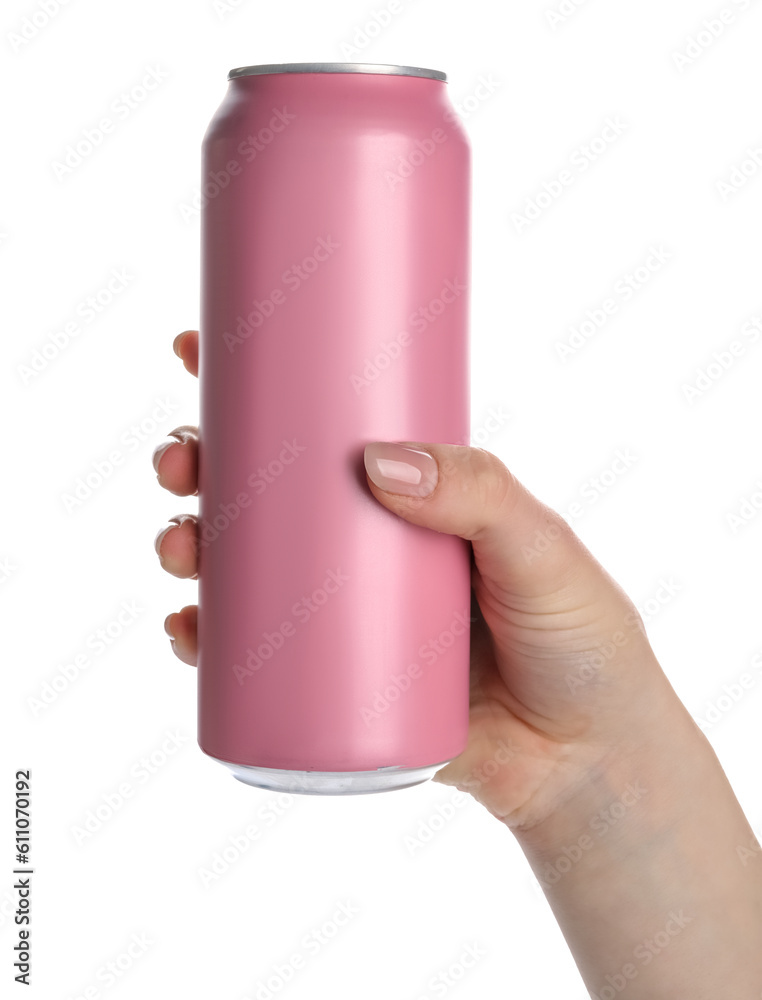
(332, 67)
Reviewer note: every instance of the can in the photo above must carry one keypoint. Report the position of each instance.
(335, 269)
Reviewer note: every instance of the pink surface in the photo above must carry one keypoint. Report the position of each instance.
(349, 680)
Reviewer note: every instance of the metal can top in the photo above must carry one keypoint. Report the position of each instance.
(329, 67)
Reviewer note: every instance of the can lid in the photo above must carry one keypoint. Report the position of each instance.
(327, 67)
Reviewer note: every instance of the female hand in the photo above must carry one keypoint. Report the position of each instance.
(577, 741)
(562, 674)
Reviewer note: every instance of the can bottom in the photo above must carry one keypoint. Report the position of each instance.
(384, 779)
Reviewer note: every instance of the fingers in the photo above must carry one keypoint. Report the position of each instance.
(522, 548)
(185, 346)
(176, 465)
(176, 461)
(181, 627)
(176, 546)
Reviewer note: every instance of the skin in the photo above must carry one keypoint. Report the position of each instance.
(577, 741)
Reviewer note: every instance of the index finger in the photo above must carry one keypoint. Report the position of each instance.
(185, 346)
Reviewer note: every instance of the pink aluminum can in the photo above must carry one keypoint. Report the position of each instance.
(333, 635)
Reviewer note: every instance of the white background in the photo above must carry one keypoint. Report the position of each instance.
(66, 572)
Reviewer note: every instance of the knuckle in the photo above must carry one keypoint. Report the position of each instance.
(494, 483)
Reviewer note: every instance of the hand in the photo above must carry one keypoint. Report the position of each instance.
(176, 465)
(569, 710)
(562, 672)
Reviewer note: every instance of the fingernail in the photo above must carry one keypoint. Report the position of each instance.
(167, 628)
(176, 342)
(179, 434)
(182, 518)
(400, 469)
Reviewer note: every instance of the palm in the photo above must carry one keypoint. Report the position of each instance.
(523, 714)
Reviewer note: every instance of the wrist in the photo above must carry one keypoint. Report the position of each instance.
(641, 867)
(629, 795)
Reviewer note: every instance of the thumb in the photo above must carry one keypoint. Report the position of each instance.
(522, 546)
